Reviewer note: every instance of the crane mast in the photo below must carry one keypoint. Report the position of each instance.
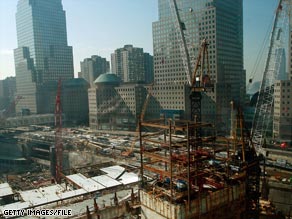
(199, 80)
(264, 106)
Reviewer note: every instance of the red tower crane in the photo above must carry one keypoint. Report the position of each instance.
(58, 134)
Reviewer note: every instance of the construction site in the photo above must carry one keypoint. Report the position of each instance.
(165, 169)
(179, 169)
(198, 175)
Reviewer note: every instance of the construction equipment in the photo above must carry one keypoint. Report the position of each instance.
(265, 102)
(180, 27)
(251, 163)
(142, 115)
(183, 172)
(200, 80)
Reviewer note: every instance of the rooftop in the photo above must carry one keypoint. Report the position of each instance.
(107, 78)
(114, 176)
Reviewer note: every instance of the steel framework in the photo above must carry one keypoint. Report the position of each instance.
(186, 167)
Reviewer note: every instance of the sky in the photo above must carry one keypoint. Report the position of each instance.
(98, 27)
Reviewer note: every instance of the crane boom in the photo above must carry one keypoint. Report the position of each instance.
(199, 79)
(142, 115)
(264, 106)
(182, 41)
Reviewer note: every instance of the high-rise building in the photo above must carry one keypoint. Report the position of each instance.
(281, 57)
(92, 67)
(220, 23)
(8, 87)
(113, 105)
(43, 53)
(128, 64)
(74, 99)
(149, 68)
(282, 120)
(7, 92)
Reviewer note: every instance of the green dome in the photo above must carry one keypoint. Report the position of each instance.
(107, 78)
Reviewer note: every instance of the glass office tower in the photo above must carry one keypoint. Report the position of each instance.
(43, 53)
(220, 22)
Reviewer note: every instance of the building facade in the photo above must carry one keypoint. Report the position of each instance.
(220, 23)
(7, 93)
(282, 121)
(149, 68)
(74, 99)
(43, 53)
(281, 56)
(282, 118)
(113, 105)
(129, 64)
(92, 67)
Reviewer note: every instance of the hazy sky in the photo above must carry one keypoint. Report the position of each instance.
(101, 26)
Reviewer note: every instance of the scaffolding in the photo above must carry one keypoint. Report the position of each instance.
(182, 168)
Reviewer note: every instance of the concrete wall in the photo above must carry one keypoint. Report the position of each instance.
(109, 212)
(280, 195)
(152, 207)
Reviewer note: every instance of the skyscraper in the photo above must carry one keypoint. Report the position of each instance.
(43, 53)
(220, 22)
(282, 118)
(149, 69)
(281, 57)
(128, 63)
(7, 94)
(92, 67)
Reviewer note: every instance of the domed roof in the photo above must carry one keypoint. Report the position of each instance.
(107, 78)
